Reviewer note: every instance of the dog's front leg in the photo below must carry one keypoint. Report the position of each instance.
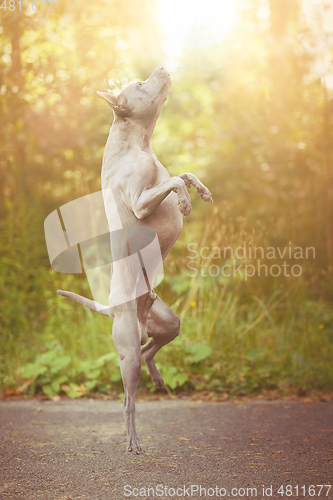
(145, 204)
(203, 191)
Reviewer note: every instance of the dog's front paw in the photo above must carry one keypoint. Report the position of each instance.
(184, 200)
(205, 194)
(185, 206)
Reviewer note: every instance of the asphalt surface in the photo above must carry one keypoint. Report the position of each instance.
(76, 450)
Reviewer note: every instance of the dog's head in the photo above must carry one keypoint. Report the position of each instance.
(141, 100)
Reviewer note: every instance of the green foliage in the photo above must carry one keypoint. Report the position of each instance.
(172, 377)
(54, 372)
(198, 352)
(249, 117)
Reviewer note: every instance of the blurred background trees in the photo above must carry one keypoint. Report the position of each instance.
(250, 112)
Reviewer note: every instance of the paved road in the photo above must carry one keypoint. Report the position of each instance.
(75, 450)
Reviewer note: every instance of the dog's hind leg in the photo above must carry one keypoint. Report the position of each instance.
(144, 304)
(126, 338)
(163, 326)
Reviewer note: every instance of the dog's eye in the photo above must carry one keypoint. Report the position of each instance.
(139, 84)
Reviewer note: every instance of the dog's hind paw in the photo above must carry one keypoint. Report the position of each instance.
(134, 447)
(158, 381)
(155, 374)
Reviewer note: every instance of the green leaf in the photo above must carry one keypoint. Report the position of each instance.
(55, 384)
(48, 391)
(33, 370)
(72, 394)
(91, 383)
(181, 378)
(172, 378)
(168, 373)
(47, 357)
(60, 363)
(198, 352)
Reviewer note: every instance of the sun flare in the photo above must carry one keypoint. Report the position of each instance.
(194, 23)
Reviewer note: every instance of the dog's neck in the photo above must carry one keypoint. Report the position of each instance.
(126, 134)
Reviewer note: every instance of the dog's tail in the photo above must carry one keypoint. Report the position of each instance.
(94, 306)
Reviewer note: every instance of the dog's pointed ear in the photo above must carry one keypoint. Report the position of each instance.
(118, 104)
(110, 99)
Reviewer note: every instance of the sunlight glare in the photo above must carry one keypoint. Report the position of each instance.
(194, 23)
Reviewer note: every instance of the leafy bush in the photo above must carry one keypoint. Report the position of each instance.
(54, 371)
